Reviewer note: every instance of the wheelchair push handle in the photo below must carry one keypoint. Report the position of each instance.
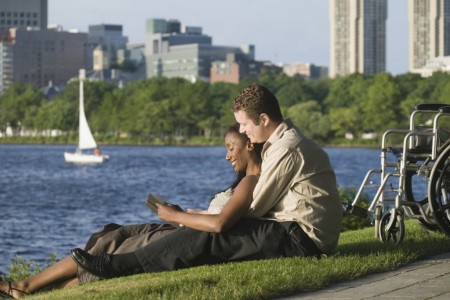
(437, 107)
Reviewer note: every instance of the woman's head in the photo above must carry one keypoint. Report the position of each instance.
(240, 150)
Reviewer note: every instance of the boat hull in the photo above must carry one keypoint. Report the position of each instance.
(80, 158)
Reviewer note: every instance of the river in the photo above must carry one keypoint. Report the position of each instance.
(49, 206)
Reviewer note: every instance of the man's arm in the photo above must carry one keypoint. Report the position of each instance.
(278, 169)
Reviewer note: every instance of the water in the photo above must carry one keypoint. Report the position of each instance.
(49, 206)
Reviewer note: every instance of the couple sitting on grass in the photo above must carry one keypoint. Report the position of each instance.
(284, 203)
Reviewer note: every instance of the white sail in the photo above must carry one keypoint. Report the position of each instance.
(86, 140)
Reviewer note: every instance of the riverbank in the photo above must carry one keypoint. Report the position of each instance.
(166, 141)
(358, 254)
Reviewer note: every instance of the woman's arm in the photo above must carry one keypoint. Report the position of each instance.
(195, 211)
(232, 212)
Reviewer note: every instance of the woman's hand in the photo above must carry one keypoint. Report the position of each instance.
(167, 211)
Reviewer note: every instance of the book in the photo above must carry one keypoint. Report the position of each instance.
(152, 199)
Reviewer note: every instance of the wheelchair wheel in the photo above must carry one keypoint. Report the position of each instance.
(392, 230)
(412, 180)
(439, 191)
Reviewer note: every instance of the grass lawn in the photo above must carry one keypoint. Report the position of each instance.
(359, 253)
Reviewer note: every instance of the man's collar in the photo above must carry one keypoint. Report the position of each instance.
(278, 133)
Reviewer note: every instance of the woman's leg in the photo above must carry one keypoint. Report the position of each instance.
(58, 274)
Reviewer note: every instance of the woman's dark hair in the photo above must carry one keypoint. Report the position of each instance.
(257, 148)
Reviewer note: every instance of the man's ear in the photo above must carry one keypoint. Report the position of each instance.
(264, 119)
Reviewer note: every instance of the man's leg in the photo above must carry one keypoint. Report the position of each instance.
(249, 239)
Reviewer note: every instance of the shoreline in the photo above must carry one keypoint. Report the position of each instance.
(192, 142)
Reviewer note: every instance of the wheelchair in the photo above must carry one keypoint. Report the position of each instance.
(414, 178)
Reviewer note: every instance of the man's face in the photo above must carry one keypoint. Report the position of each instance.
(256, 133)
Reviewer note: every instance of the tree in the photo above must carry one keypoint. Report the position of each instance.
(380, 107)
(347, 91)
(345, 119)
(57, 114)
(18, 101)
(296, 91)
(309, 118)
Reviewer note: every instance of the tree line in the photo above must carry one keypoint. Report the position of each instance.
(324, 109)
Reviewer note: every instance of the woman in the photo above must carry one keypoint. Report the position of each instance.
(225, 210)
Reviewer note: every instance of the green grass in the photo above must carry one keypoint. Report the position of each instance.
(359, 253)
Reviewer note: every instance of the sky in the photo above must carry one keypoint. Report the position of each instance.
(282, 31)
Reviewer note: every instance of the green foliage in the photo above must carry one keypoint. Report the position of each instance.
(21, 268)
(174, 109)
(351, 222)
(309, 118)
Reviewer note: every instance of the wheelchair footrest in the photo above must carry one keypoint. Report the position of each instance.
(358, 211)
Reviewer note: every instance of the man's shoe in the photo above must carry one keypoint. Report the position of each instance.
(96, 265)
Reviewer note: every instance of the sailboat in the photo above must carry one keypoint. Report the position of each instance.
(85, 140)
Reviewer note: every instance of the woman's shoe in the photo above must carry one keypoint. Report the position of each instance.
(9, 294)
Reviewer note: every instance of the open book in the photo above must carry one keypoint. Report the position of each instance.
(152, 199)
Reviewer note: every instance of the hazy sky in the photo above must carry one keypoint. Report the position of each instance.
(283, 31)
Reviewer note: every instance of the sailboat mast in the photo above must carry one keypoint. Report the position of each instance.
(81, 105)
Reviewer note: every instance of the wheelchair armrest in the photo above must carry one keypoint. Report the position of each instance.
(430, 106)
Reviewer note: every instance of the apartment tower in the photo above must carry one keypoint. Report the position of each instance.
(23, 14)
(357, 36)
(429, 31)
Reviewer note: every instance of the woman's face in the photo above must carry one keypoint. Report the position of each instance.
(238, 153)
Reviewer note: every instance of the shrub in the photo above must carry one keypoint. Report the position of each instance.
(21, 268)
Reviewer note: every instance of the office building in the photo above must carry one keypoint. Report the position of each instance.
(429, 31)
(305, 70)
(172, 50)
(109, 37)
(23, 14)
(435, 64)
(233, 69)
(357, 36)
(41, 56)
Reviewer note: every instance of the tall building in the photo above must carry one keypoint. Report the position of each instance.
(41, 56)
(109, 37)
(23, 14)
(358, 36)
(172, 50)
(429, 31)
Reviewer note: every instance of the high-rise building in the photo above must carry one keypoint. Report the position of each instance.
(23, 14)
(429, 31)
(358, 36)
(172, 50)
(41, 56)
(109, 37)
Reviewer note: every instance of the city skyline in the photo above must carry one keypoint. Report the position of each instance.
(234, 23)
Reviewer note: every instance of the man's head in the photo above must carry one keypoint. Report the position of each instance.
(257, 111)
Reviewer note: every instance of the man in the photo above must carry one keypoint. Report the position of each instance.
(296, 210)
(297, 182)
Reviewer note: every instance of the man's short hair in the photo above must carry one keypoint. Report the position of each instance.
(255, 100)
